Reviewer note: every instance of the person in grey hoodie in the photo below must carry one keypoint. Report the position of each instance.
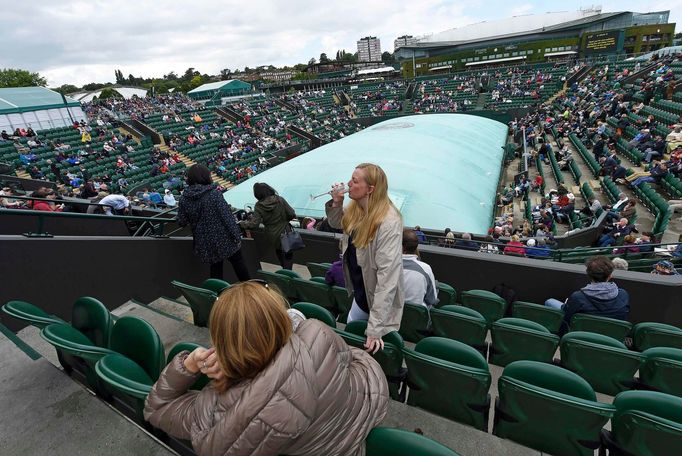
(600, 297)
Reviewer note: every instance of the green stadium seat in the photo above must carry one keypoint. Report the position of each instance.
(447, 295)
(546, 316)
(603, 361)
(515, 339)
(414, 325)
(647, 335)
(618, 329)
(280, 281)
(390, 358)
(342, 302)
(450, 379)
(316, 292)
(200, 300)
(215, 285)
(311, 310)
(398, 442)
(318, 269)
(646, 423)
(190, 347)
(31, 314)
(461, 323)
(662, 370)
(550, 409)
(487, 303)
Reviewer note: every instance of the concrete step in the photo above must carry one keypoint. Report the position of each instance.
(23, 174)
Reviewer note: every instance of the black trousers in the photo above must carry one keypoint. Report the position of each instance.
(285, 259)
(238, 264)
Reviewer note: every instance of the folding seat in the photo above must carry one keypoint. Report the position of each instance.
(490, 305)
(200, 300)
(515, 339)
(461, 323)
(281, 281)
(646, 423)
(603, 361)
(31, 314)
(550, 409)
(390, 358)
(190, 347)
(398, 442)
(546, 316)
(618, 329)
(447, 295)
(450, 379)
(318, 269)
(132, 370)
(647, 335)
(311, 310)
(315, 291)
(342, 302)
(414, 325)
(662, 370)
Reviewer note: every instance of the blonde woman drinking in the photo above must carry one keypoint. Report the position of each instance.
(372, 251)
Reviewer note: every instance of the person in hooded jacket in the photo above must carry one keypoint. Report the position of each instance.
(600, 297)
(274, 213)
(216, 234)
(281, 384)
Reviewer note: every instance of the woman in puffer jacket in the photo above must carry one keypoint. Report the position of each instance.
(275, 390)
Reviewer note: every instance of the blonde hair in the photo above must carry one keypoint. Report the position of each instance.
(248, 325)
(364, 225)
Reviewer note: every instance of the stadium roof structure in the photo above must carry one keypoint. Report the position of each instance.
(443, 170)
(226, 88)
(125, 92)
(26, 99)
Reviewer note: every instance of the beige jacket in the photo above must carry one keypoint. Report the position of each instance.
(382, 271)
(319, 397)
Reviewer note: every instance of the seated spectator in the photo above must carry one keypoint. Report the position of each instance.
(9, 203)
(334, 275)
(169, 199)
(465, 243)
(302, 391)
(115, 204)
(600, 297)
(656, 174)
(644, 242)
(420, 235)
(449, 237)
(489, 245)
(48, 206)
(674, 138)
(613, 212)
(419, 285)
(629, 245)
(664, 267)
(620, 263)
(537, 249)
(537, 183)
(514, 247)
(620, 230)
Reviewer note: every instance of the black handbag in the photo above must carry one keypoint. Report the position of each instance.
(291, 240)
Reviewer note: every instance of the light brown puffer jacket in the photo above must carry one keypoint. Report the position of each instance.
(319, 397)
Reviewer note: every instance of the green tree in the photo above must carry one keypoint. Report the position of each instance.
(119, 77)
(324, 58)
(195, 82)
(387, 57)
(108, 92)
(10, 77)
(66, 89)
(93, 86)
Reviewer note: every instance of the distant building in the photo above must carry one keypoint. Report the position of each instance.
(405, 40)
(277, 75)
(369, 49)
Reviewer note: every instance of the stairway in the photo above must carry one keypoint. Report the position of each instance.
(551, 99)
(189, 162)
(480, 101)
(126, 132)
(23, 174)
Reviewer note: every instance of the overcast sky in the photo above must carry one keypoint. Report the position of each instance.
(77, 42)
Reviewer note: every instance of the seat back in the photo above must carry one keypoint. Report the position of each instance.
(311, 310)
(289, 273)
(515, 339)
(546, 316)
(398, 442)
(618, 329)
(190, 347)
(31, 314)
(603, 361)
(318, 269)
(662, 370)
(487, 303)
(550, 409)
(137, 340)
(280, 281)
(200, 301)
(342, 302)
(414, 325)
(460, 323)
(92, 318)
(447, 295)
(449, 378)
(647, 423)
(217, 286)
(647, 335)
(316, 292)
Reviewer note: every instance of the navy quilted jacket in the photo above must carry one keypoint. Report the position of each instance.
(216, 234)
